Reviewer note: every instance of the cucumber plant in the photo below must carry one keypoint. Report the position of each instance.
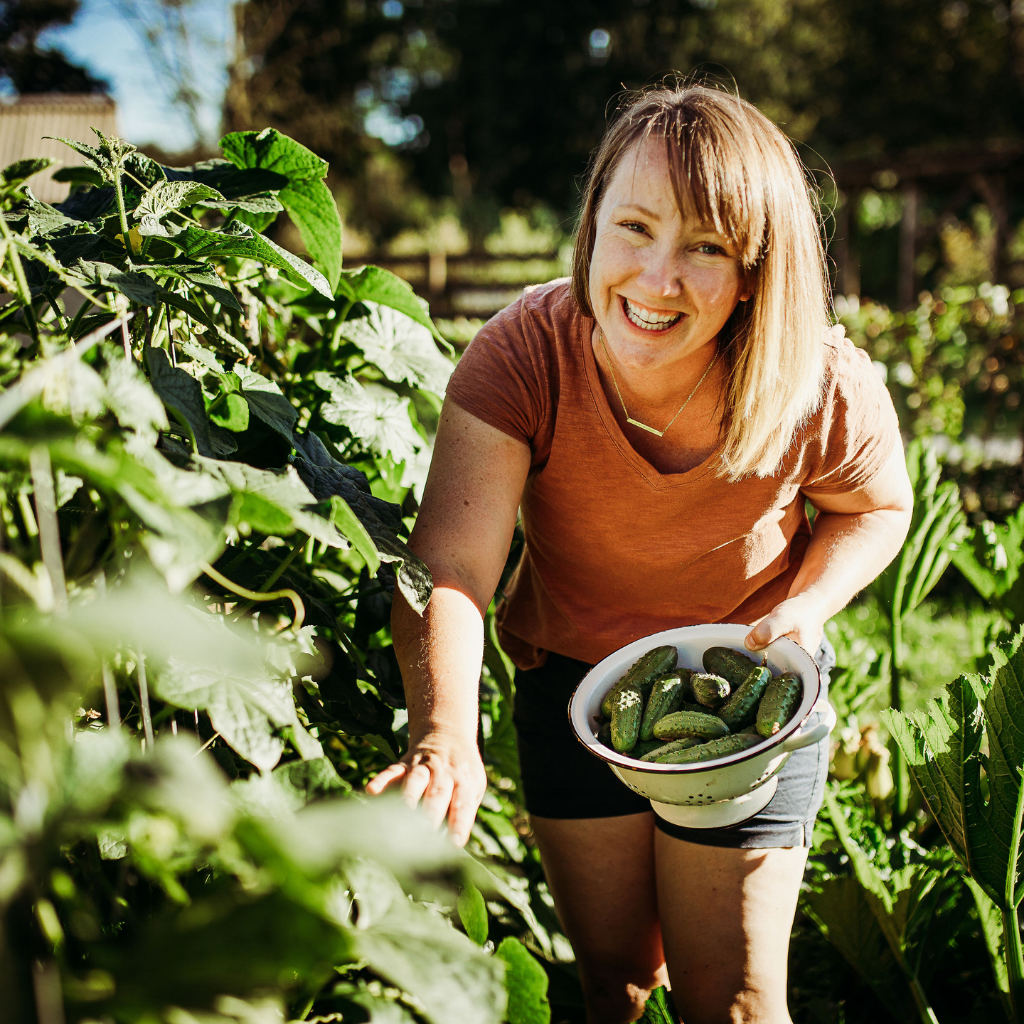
(210, 450)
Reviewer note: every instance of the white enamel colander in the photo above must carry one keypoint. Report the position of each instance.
(727, 790)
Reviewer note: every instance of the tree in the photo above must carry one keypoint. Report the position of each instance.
(500, 102)
(25, 66)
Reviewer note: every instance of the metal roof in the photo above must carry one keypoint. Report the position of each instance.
(25, 121)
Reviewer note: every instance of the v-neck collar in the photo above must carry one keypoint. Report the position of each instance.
(655, 477)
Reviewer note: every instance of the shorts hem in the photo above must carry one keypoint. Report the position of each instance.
(734, 838)
(603, 810)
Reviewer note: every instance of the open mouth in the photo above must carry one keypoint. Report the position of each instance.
(648, 319)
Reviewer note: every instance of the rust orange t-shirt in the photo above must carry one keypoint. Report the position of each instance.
(616, 550)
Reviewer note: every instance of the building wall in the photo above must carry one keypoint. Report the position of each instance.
(25, 122)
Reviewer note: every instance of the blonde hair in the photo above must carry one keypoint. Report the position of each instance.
(732, 167)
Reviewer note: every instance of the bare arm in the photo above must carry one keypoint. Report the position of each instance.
(856, 535)
(463, 533)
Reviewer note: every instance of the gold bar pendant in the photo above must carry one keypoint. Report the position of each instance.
(643, 426)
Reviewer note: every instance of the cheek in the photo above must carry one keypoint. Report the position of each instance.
(722, 292)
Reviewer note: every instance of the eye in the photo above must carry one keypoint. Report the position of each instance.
(710, 249)
(634, 225)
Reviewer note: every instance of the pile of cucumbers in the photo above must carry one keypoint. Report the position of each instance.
(659, 712)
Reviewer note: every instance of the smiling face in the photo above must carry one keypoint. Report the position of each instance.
(662, 283)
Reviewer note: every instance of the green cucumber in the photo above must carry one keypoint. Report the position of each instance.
(666, 695)
(710, 690)
(627, 711)
(741, 708)
(663, 749)
(642, 674)
(645, 747)
(721, 747)
(699, 725)
(729, 664)
(779, 703)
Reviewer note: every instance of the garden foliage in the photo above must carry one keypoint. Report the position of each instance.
(210, 450)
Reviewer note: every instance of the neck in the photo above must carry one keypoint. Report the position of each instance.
(660, 389)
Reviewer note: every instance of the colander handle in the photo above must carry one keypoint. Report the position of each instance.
(802, 738)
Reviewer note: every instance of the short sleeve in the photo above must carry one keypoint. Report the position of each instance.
(859, 427)
(507, 376)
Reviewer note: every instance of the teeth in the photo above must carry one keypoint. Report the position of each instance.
(648, 320)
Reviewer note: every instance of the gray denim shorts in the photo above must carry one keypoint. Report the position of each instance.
(562, 780)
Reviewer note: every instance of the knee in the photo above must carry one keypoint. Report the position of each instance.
(616, 990)
(729, 998)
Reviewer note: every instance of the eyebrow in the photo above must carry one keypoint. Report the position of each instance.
(640, 209)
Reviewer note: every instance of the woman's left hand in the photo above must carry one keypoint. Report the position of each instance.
(801, 618)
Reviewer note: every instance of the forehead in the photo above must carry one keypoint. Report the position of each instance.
(643, 177)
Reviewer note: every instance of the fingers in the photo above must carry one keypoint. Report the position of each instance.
(760, 636)
(416, 782)
(438, 797)
(792, 618)
(462, 812)
(385, 779)
(445, 788)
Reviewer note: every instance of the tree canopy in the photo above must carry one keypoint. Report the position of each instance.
(500, 102)
(26, 66)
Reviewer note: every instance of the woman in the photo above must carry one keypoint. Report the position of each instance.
(661, 420)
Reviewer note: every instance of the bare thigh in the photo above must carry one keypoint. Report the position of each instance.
(601, 875)
(726, 917)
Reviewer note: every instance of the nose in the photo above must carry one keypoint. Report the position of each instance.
(662, 274)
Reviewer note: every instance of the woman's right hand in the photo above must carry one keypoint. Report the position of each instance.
(447, 774)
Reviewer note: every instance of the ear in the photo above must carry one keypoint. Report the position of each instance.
(745, 296)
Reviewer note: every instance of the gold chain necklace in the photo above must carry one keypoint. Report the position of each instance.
(637, 423)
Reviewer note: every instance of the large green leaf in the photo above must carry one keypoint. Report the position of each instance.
(416, 949)
(839, 907)
(374, 415)
(183, 396)
(326, 476)
(657, 1009)
(472, 911)
(991, 920)
(306, 198)
(937, 525)
(272, 151)
(272, 502)
(165, 197)
(375, 284)
(315, 213)
(943, 748)
(991, 556)
(400, 347)
(248, 712)
(198, 243)
(941, 745)
(137, 287)
(526, 983)
(266, 401)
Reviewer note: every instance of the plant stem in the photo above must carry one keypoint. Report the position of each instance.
(253, 595)
(147, 717)
(924, 1008)
(49, 530)
(1011, 926)
(24, 292)
(121, 214)
(274, 576)
(896, 702)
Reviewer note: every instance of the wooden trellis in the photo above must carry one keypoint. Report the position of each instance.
(992, 173)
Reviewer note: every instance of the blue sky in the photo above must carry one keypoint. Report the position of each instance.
(104, 40)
